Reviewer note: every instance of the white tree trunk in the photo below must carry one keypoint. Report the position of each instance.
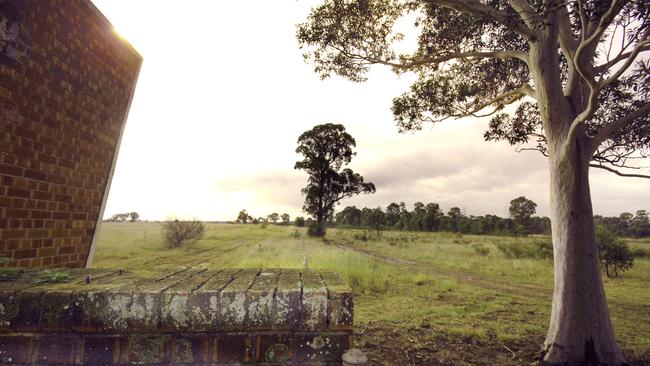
(580, 331)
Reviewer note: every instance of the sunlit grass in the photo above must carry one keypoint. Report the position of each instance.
(435, 293)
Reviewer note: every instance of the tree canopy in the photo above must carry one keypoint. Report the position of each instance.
(326, 149)
(473, 59)
(521, 209)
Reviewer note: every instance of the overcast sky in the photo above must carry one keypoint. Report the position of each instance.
(224, 94)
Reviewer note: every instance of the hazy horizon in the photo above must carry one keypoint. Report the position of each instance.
(224, 94)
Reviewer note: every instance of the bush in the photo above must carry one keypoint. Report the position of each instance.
(365, 235)
(535, 250)
(178, 233)
(614, 254)
(544, 249)
(481, 250)
(316, 229)
(295, 233)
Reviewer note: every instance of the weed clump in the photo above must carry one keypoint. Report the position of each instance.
(481, 249)
(295, 233)
(535, 250)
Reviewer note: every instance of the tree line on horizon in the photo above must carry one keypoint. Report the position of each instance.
(520, 223)
(431, 218)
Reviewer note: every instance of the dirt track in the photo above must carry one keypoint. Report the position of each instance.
(483, 281)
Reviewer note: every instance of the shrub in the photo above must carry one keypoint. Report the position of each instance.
(300, 221)
(515, 250)
(316, 229)
(295, 233)
(535, 250)
(481, 250)
(178, 233)
(363, 235)
(614, 254)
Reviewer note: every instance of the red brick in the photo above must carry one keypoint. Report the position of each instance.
(11, 170)
(70, 93)
(24, 253)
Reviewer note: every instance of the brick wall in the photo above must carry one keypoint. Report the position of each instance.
(66, 83)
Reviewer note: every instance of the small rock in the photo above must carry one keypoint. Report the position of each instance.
(354, 357)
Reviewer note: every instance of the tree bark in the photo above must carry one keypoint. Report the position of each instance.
(580, 331)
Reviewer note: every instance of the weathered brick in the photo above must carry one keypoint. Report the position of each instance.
(15, 349)
(63, 134)
(54, 350)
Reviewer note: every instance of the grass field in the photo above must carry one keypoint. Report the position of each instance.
(420, 298)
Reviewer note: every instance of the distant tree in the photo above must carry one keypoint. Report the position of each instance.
(326, 149)
(286, 219)
(243, 217)
(455, 214)
(433, 214)
(300, 221)
(120, 217)
(374, 218)
(350, 216)
(640, 225)
(615, 254)
(264, 222)
(392, 214)
(134, 216)
(177, 233)
(274, 217)
(521, 209)
(576, 76)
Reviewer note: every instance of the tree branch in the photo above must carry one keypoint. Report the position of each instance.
(606, 66)
(588, 46)
(589, 41)
(456, 55)
(504, 98)
(608, 130)
(627, 63)
(473, 7)
(527, 13)
(618, 172)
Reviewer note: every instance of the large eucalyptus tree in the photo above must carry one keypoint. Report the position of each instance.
(577, 81)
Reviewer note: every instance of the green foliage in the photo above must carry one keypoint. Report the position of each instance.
(521, 210)
(614, 253)
(316, 229)
(481, 249)
(243, 217)
(526, 249)
(274, 217)
(295, 234)
(9, 274)
(326, 149)
(49, 276)
(366, 235)
(300, 221)
(429, 217)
